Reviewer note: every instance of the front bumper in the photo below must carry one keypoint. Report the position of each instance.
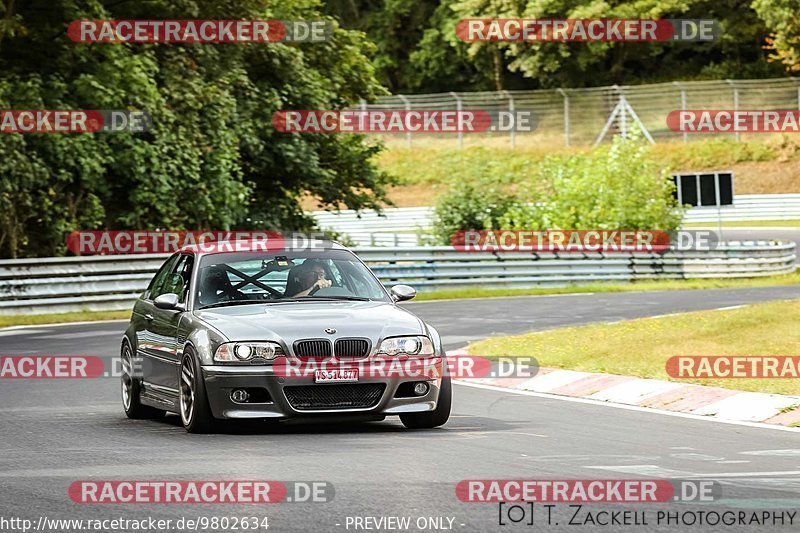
(222, 380)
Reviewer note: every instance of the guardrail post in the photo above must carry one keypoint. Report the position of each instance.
(735, 102)
(458, 108)
(407, 105)
(683, 107)
(563, 93)
(511, 110)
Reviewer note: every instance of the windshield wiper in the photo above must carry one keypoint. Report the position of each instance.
(323, 298)
(233, 302)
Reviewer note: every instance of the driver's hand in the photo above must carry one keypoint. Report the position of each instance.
(323, 283)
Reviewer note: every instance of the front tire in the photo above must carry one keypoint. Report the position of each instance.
(195, 412)
(132, 387)
(437, 417)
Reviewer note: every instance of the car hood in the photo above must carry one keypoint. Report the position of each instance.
(303, 320)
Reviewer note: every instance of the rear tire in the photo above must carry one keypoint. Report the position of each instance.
(131, 388)
(437, 417)
(195, 412)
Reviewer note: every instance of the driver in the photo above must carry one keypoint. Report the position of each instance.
(306, 279)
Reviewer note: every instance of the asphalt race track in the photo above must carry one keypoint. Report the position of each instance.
(462, 321)
(55, 432)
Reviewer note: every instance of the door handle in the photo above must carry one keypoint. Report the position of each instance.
(149, 317)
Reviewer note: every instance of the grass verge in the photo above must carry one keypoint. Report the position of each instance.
(430, 167)
(641, 347)
(54, 318)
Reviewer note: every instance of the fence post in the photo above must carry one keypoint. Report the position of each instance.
(458, 108)
(619, 112)
(407, 105)
(735, 101)
(511, 110)
(623, 116)
(563, 93)
(683, 107)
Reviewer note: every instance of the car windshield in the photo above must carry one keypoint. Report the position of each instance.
(256, 277)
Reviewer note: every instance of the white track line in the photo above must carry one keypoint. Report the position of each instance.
(628, 407)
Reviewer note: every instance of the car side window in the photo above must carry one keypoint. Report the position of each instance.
(175, 282)
(181, 277)
(154, 290)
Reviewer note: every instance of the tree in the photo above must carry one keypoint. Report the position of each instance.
(782, 17)
(419, 51)
(576, 64)
(416, 49)
(211, 159)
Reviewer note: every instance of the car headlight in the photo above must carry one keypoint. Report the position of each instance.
(234, 352)
(416, 345)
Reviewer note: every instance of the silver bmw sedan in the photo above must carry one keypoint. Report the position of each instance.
(279, 334)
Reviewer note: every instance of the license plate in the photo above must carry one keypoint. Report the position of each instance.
(335, 376)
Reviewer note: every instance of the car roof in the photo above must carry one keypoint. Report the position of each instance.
(253, 245)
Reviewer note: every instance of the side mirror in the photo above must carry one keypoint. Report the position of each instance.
(401, 293)
(169, 302)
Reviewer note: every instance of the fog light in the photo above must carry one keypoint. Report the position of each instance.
(421, 388)
(239, 396)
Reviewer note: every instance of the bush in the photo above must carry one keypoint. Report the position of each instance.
(615, 188)
(470, 206)
(619, 187)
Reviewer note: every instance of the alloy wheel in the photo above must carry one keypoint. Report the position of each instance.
(127, 377)
(187, 390)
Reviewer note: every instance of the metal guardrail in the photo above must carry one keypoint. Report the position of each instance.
(401, 226)
(56, 285)
(750, 207)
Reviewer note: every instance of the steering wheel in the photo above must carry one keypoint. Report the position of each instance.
(270, 290)
(273, 292)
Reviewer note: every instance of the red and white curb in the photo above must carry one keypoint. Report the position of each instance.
(716, 402)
